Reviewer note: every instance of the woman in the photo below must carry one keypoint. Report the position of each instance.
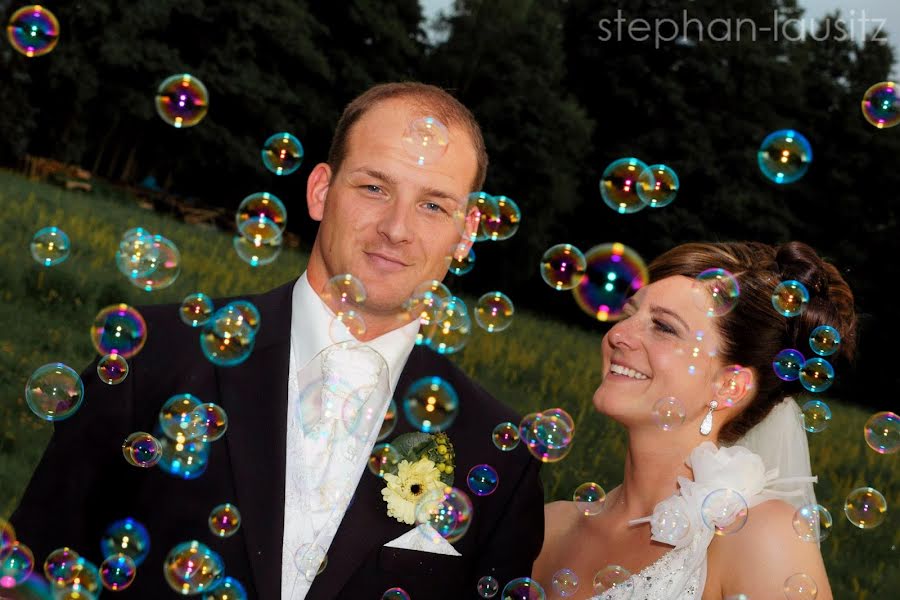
(679, 341)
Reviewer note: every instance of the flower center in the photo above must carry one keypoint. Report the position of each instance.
(416, 489)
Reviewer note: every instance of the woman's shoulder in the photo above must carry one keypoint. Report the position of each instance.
(558, 515)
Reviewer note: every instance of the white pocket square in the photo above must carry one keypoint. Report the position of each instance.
(424, 539)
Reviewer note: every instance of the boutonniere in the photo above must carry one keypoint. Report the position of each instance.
(426, 465)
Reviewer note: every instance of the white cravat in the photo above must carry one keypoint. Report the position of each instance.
(337, 399)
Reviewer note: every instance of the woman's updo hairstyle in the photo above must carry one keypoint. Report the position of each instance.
(754, 332)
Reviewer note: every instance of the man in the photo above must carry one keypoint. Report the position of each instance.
(391, 220)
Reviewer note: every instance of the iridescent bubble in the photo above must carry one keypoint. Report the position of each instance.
(175, 418)
(346, 325)
(229, 589)
(224, 520)
(561, 415)
(483, 480)
(565, 582)
(389, 422)
(260, 230)
(33, 30)
(816, 374)
(882, 432)
(427, 301)
(430, 404)
(790, 298)
(256, 252)
(16, 564)
(182, 100)
(494, 312)
(824, 340)
(7, 535)
(184, 460)
(117, 572)
(141, 449)
(523, 588)
(426, 140)
(384, 458)
(310, 560)
(488, 586)
(119, 329)
(50, 246)
(816, 415)
(668, 413)
(865, 507)
(614, 272)
(60, 566)
(168, 267)
(505, 436)
(619, 185)
(282, 153)
(126, 536)
(193, 568)
(784, 156)
(787, 364)
(261, 206)
(671, 524)
(196, 309)
(589, 498)
(462, 265)
(86, 583)
(553, 428)
(207, 422)
(447, 335)
(227, 339)
(800, 586)
(447, 511)
(530, 431)
(138, 255)
(487, 210)
(881, 105)
(54, 392)
(614, 577)
(395, 593)
(658, 185)
(724, 511)
(112, 369)
(812, 523)
(563, 266)
(716, 292)
(344, 292)
(505, 223)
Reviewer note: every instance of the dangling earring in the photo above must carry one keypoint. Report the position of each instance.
(706, 425)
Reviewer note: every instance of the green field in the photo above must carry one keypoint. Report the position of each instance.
(537, 363)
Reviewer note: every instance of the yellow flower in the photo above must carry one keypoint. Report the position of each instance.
(408, 486)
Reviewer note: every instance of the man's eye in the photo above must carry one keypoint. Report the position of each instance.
(663, 326)
(434, 207)
(374, 189)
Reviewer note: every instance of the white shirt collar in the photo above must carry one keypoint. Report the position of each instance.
(310, 332)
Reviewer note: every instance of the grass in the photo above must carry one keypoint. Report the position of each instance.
(535, 364)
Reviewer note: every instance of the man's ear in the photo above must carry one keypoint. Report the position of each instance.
(317, 189)
(734, 385)
(470, 229)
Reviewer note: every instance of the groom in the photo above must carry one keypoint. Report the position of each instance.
(390, 220)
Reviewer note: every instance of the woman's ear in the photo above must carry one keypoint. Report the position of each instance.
(734, 385)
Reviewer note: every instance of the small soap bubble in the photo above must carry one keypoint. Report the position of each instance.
(716, 292)
(812, 523)
(310, 560)
(193, 568)
(260, 230)
(86, 583)
(553, 428)
(658, 185)
(614, 272)
(389, 422)
(824, 340)
(138, 255)
(207, 422)
(787, 364)
(563, 266)
(427, 301)
(816, 374)
(50, 246)
(175, 418)
(384, 459)
(224, 520)
(505, 436)
(483, 480)
(282, 153)
(16, 564)
(882, 432)
(485, 208)
(589, 498)
(227, 339)
(800, 586)
(534, 431)
(182, 100)
(196, 309)
(168, 267)
(448, 511)
(117, 572)
(488, 587)
(865, 507)
(668, 413)
(619, 185)
(464, 264)
(505, 223)
(790, 298)
(614, 577)
(881, 105)
(183, 460)
(33, 30)
(426, 140)
(126, 536)
(256, 252)
(61, 566)
(395, 593)
(523, 588)
(430, 404)
(54, 392)
(261, 206)
(724, 511)
(112, 369)
(565, 583)
(671, 524)
(784, 156)
(344, 292)
(119, 329)
(141, 449)
(229, 589)
(816, 415)
(447, 335)
(494, 312)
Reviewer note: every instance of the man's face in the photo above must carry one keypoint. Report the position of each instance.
(385, 219)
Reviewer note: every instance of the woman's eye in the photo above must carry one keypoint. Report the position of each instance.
(663, 326)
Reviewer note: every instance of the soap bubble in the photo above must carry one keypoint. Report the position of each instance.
(790, 298)
(112, 369)
(61, 566)
(657, 185)
(229, 589)
(483, 480)
(487, 211)
(619, 185)
(33, 30)
(168, 267)
(614, 577)
(196, 309)
(182, 100)
(117, 572)
(523, 588)
(193, 568)
(256, 252)
(881, 105)
(816, 374)
(16, 564)
(384, 458)
(430, 404)
(176, 418)
(389, 422)
(447, 511)
(488, 587)
(800, 586)
(184, 460)
(310, 560)
(724, 511)
(784, 156)
(865, 507)
(494, 312)
(54, 392)
(141, 449)
(119, 329)
(264, 207)
(506, 223)
(127, 536)
(138, 254)
(716, 292)
(882, 432)
(565, 582)
(395, 593)
(816, 415)
(426, 140)
(812, 522)
(563, 266)
(282, 153)
(668, 413)
(460, 265)
(614, 272)
(50, 246)
(787, 364)
(207, 422)
(224, 520)
(505, 436)
(427, 301)
(589, 498)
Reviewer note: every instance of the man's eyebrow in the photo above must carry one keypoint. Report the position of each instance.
(430, 192)
(655, 308)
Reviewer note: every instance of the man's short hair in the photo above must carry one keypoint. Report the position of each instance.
(431, 100)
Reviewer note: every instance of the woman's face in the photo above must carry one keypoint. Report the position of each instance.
(665, 346)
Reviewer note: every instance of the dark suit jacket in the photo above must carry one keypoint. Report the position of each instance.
(83, 483)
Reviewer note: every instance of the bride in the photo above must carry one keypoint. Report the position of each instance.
(679, 522)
